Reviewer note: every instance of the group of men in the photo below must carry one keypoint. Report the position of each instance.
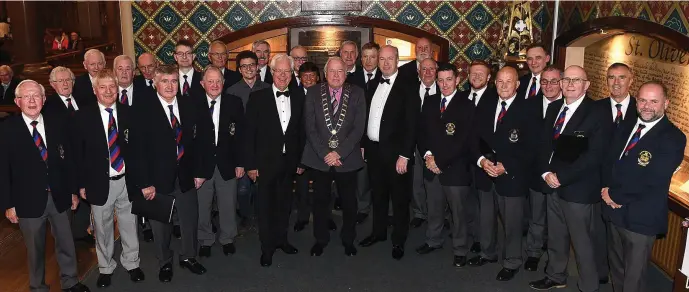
(535, 149)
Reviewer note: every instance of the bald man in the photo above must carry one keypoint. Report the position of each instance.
(410, 70)
(217, 55)
(572, 149)
(147, 64)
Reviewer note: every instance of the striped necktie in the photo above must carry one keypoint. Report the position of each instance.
(124, 99)
(334, 101)
(178, 133)
(532, 90)
(38, 140)
(185, 87)
(559, 123)
(503, 111)
(116, 160)
(635, 139)
(618, 117)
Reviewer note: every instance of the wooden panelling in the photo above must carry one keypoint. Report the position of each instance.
(666, 250)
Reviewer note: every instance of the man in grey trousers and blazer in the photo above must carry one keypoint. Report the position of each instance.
(334, 118)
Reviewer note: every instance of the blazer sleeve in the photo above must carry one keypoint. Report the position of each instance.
(422, 137)
(412, 109)
(5, 186)
(203, 163)
(77, 136)
(352, 139)
(249, 136)
(239, 124)
(313, 139)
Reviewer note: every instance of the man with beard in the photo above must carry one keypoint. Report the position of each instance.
(639, 166)
(537, 59)
(217, 54)
(189, 78)
(262, 50)
(62, 102)
(410, 71)
(94, 61)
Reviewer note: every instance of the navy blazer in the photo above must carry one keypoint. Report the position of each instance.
(524, 84)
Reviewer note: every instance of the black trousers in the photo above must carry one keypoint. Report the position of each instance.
(274, 200)
(346, 188)
(386, 185)
(303, 199)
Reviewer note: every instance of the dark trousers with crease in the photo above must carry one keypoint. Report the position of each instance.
(346, 188)
(187, 206)
(274, 201)
(629, 254)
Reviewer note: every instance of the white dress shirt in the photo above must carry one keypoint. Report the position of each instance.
(284, 111)
(216, 114)
(190, 77)
(64, 101)
(625, 105)
(479, 94)
(495, 121)
(422, 91)
(571, 109)
(447, 103)
(262, 72)
(105, 118)
(380, 97)
(175, 109)
(40, 127)
(645, 130)
(353, 70)
(546, 102)
(130, 93)
(538, 84)
(372, 76)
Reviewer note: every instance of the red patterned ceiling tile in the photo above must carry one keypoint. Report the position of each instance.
(585, 8)
(291, 8)
(184, 6)
(428, 7)
(254, 7)
(498, 6)
(537, 35)
(630, 8)
(185, 32)
(219, 6)
(684, 7)
(218, 31)
(149, 7)
(151, 36)
(605, 9)
(660, 9)
(462, 6)
(566, 8)
(462, 67)
(492, 34)
(430, 28)
(393, 6)
(461, 34)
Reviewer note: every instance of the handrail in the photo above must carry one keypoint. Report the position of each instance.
(77, 53)
(9, 109)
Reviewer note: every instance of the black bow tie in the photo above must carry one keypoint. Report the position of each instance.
(383, 80)
(285, 93)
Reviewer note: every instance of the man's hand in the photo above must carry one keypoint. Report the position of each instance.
(500, 168)
(489, 168)
(332, 159)
(253, 174)
(82, 193)
(430, 164)
(362, 154)
(149, 192)
(75, 202)
(198, 182)
(551, 180)
(239, 171)
(606, 197)
(11, 215)
(401, 165)
(300, 170)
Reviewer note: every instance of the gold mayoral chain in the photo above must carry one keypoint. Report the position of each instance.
(333, 142)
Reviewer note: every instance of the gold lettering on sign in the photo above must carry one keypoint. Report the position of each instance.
(650, 59)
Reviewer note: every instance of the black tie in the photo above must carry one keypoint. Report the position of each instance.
(70, 106)
(148, 83)
(370, 75)
(473, 98)
(212, 109)
(384, 80)
(285, 93)
(428, 89)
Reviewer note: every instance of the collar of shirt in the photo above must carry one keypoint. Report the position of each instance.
(28, 121)
(573, 106)
(392, 78)
(102, 108)
(624, 103)
(338, 95)
(353, 69)
(64, 99)
(479, 92)
(375, 70)
(275, 91)
(432, 87)
(648, 127)
(217, 100)
(164, 103)
(190, 76)
(508, 101)
(222, 71)
(129, 89)
(296, 78)
(448, 98)
(546, 101)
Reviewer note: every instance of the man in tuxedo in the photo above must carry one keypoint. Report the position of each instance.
(94, 61)
(349, 52)
(299, 55)
(446, 120)
(570, 155)
(102, 131)
(410, 70)
(37, 185)
(9, 84)
(62, 102)
(274, 145)
(334, 119)
(128, 92)
(639, 166)
(225, 115)
(262, 50)
(189, 78)
(503, 143)
(389, 146)
(536, 237)
(169, 159)
(217, 54)
(537, 59)
(147, 65)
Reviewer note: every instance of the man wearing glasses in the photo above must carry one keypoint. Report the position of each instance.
(189, 79)
(147, 65)
(217, 54)
(570, 164)
(61, 102)
(299, 54)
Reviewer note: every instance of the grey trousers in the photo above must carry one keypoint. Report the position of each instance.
(438, 198)
(363, 190)
(571, 222)
(418, 202)
(104, 229)
(472, 211)
(187, 206)
(488, 214)
(34, 232)
(511, 211)
(537, 224)
(629, 255)
(225, 194)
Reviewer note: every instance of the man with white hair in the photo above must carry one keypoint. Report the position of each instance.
(410, 70)
(94, 61)
(36, 185)
(262, 50)
(123, 67)
(62, 101)
(9, 84)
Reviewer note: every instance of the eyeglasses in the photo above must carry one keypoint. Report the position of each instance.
(247, 66)
(63, 80)
(573, 81)
(33, 97)
(217, 54)
(551, 82)
(147, 68)
(184, 54)
(281, 72)
(302, 59)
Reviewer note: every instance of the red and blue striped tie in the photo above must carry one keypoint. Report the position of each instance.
(116, 161)
(178, 133)
(635, 139)
(559, 123)
(503, 111)
(532, 90)
(38, 140)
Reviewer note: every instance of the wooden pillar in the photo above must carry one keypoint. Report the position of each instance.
(28, 30)
(112, 24)
(127, 29)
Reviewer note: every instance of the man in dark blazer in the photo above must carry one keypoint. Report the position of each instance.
(9, 84)
(169, 159)
(274, 145)
(189, 78)
(389, 146)
(570, 155)
(505, 135)
(217, 54)
(102, 181)
(262, 50)
(94, 61)
(62, 102)
(129, 92)
(37, 185)
(349, 52)
(225, 115)
(446, 120)
(299, 55)
(334, 119)
(639, 166)
(147, 65)
(537, 58)
(410, 70)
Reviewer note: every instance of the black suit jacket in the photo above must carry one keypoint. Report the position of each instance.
(25, 177)
(630, 116)
(231, 77)
(92, 153)
(293, 85)
(83, 90)
(54, 105)
(358, 78)
(489, 95)
(263, 139)
(580, 180)
(195, 89)
(536, 182)
(640, 184)
(269, 76)
(227, 154)
(409, 71)
(524, 86)
(8, 97)
(140, 87)
(511, 144)
(436, 133)
(154, 148)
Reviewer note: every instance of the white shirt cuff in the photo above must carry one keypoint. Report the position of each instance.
(479, 161)
(428, 153)
(544, 174)
(404, 157)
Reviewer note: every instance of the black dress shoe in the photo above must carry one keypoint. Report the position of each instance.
(317, 250)
(78, 288)
(176, 232)
(459, 261)
(397, 252)
(361, 218)
(350, 250)
(480, 261)
(531, 264)
(229, 248)
(603, 281)
(193, 266)
(425, 248)
(205, 251)
(506, 274)
(545, 246)
(476, 247)
(88, 239)
(165, 274)
(104, 280)
(289, 249)
(300, 225)
(136, 275)
(416, 222)
(148, 235)
(331, 225)
(266, 259)
(546, 284)
(371, 240)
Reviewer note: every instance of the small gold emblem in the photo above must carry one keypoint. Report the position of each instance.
(644, 158)
(450, 129)
(232, 129)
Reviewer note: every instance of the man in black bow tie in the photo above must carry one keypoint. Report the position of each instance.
(273, 148)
